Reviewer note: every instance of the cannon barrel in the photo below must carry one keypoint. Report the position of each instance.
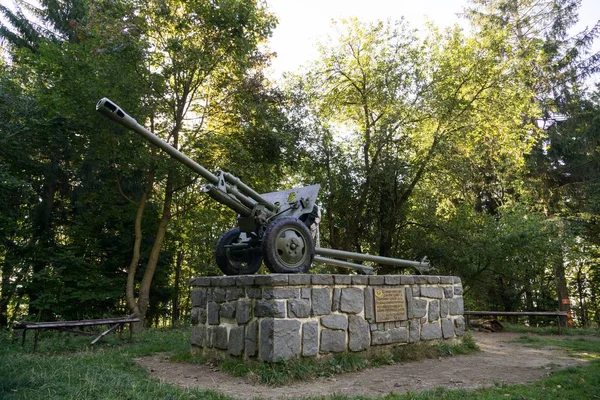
(240, 190)
(418, 265)
(111, 110)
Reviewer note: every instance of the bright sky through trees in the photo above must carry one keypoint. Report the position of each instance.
(303, 23)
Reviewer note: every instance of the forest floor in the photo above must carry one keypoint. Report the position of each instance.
(502, 361)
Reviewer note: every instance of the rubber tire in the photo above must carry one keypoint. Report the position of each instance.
(270, 251)
(231, 266)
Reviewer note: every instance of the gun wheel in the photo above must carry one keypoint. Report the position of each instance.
(232, 262)
(287, 246)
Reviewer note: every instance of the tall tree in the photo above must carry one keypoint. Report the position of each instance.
(200, 52)
(553, 64)
(403, 106)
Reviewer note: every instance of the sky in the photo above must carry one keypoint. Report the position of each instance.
(302, 23)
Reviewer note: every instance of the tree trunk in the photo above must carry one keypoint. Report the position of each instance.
(562, 290)
(144, 291)
(135, 258)
(178, 265)
(5, 294)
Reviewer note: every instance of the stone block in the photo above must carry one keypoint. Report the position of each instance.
(269, 308)
(279, 339)
(236, 341)
(198, 316)
(228, 310)
(244, 311)
(198, 334)
(335, 321)
(271, 280)
(224, 281)
(209, 341)
(202, 281)
(280, 293)
(417, 309)
(447, 328)
(359, 337)
(342, 279)
(409, 298)
(199, 298)
(376, 280)
(333, 341)
(446, 280)
(459, 325)
(254, 293)
(458, 290)
(407, 280)
(360, 279)
(448, 292)
(420, 279)
(251, 339)
(431, 331)
(234, 293)
(335, 305)
(299, 279)
(298, 308)
(399, 335)
(322, 279)
(416, 292)
(310, 339)
(213, 313)
(456, 280)
(244, 280)
(220, 340)
(444, 308)
(432, 292)
(321, 301)
(414, 331)
(219, 294)
(434, 310)
(305, 293)
(352, 300)
(380, 338)
(369, 304)
(434, 280)
(392, 279)
(457, 306)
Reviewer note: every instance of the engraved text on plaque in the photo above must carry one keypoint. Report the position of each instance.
(390, 305)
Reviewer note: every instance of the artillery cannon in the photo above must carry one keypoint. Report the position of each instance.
(274, 227)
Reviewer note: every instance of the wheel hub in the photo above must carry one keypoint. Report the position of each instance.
(290, 247)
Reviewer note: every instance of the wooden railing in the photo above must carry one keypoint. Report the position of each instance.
(557, 314)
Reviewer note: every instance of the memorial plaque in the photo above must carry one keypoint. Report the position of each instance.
(390, 305)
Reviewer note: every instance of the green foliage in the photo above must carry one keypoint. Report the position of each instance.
(478, 150)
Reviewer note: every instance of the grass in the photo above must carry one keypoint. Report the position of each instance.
(549, 330)
(576, 383)
(286, 372)
(66, 367)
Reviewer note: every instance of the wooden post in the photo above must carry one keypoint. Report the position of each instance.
(37, 333)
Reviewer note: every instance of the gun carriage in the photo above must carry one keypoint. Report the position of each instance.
(272, 227)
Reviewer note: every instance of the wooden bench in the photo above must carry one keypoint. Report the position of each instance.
(557, 314)
(71, 327)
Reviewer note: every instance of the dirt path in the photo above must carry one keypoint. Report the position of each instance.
(500, 361)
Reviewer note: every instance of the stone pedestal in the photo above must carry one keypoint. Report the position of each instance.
(276, 317)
